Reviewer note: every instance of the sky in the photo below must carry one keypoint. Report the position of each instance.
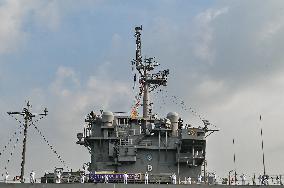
(225, 62)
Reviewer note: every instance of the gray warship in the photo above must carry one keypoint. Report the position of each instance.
(149, 144)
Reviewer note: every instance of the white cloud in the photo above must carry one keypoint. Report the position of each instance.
(75, 99)
(64, 76)
(48, 14)
(14, 14)
(203, 48)
(11, 13)
(210, 88)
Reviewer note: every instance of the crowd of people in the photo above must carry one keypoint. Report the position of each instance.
(145, 178)
(262, 180)
(173, 178)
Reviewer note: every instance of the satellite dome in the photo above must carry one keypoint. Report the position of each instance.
(107, 117)
(173, 116)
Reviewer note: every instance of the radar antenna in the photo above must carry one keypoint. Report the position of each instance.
(148, 81)
(28, 116)
(206, 129)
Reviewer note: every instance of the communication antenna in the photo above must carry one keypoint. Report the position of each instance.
(262, 148)
(206, 129)
(28, 116)
(234, 159)
(148, 81)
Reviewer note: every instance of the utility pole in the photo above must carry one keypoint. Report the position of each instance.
(28, 117)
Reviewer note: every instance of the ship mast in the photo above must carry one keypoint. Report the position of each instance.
(148, 81)
(28, 116)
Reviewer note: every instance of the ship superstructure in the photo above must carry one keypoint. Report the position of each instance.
(121, 143)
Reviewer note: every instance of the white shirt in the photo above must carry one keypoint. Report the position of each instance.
(6, 177)
(32, 175)
(189, 180)
(199, 178)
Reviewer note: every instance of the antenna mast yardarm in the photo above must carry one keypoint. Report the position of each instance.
(148, 81)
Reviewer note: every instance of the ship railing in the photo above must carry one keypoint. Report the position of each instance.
(64, 179)
(127, 142)
(190, 159)
(164, 178)
(121, 181)
(132, 132)
(87, 133)
(198, 155)
(145, 143)
(139, 139)
(121, 133)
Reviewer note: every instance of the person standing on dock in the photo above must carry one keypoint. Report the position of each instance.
(277, 180)
(57, 174)
(215, 178)
(6, 177)
(146, 178)
(106, 178)
(243, 177)
(188, 180)
(125, 177)
(199, 178)
(82, 178)
(265, 179)
(174, 179)
(45, 175)
(253, 180)
(260, 179)
(68, 177)
(32, 177)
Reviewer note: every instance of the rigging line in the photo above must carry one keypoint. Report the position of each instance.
(16, 119)
(159, 99)
(8, 144)
(51, 147)
(163, 98)
(186, 108)
(36, 120)
(209, 134)
(20, 122)
(9, 141)
(12, 152)
(190, 109)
